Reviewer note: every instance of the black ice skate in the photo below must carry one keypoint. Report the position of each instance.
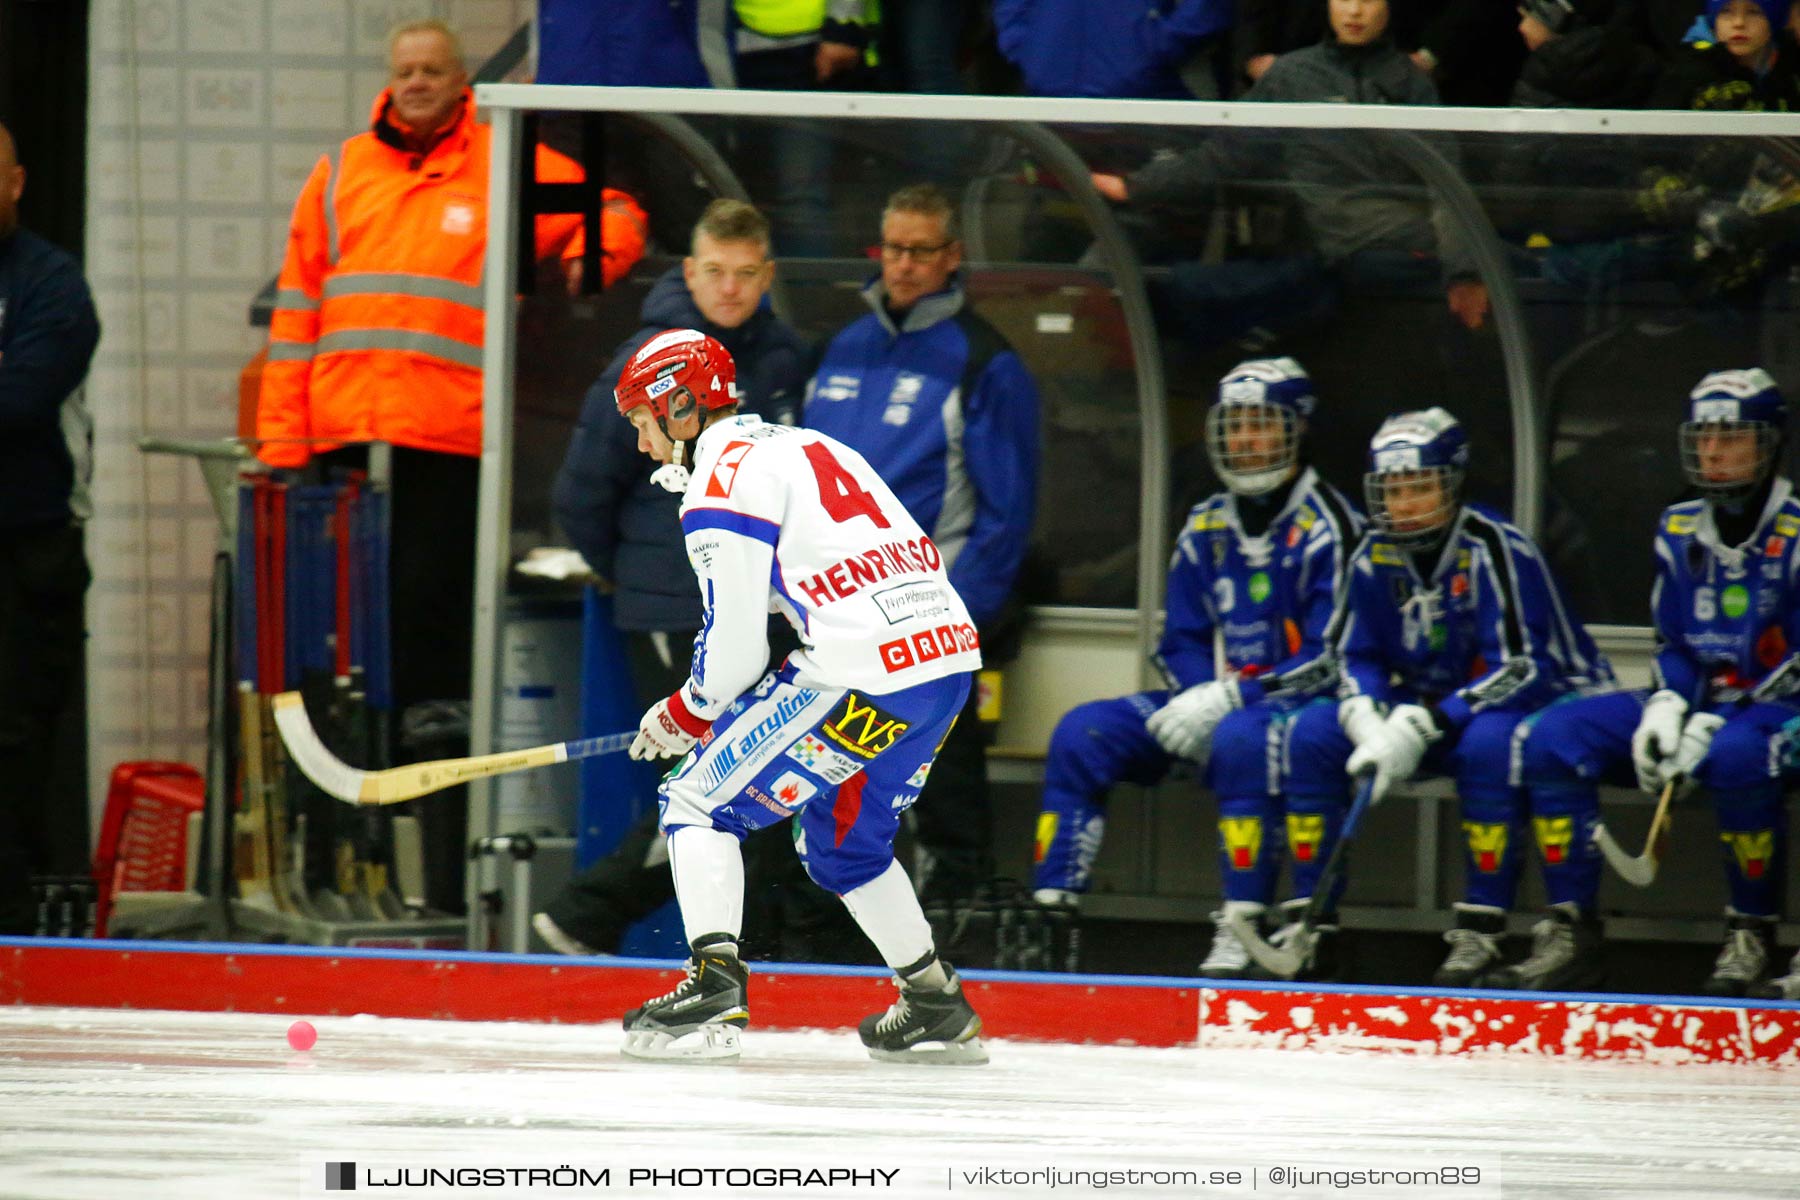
(702, 1017)
(926, 1024)
(1565, 955)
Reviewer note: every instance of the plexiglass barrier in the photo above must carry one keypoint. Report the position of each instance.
(1558, 281)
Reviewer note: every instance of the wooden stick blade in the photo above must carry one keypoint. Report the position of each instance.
(334, 776)
(339, 779)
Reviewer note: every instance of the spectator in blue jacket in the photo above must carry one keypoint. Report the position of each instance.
(628, 530)
(1126, 49)
(941, 405)
(632, 43)
(48, 331)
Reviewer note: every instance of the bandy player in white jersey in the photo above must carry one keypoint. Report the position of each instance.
(840, 735)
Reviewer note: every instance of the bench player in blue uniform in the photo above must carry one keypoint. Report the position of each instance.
(1255, 570)
(1723, 708)
(1454, 624)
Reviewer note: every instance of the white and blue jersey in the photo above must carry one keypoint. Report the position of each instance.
(844, 732)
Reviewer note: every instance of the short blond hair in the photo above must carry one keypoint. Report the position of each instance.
(428, 25)
(727, 220)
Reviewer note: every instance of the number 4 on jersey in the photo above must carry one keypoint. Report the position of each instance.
(839, 494)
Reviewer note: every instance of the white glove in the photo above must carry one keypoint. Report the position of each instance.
(1359, 719)
(1696, 740)
(1657, 737)
(1393, 752)
(1184, 726)
(660, 732)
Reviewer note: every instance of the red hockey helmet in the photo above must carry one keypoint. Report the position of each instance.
(676, 371)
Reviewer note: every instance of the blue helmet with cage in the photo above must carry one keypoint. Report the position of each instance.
(1417, 463)
(1735, 427)
(1253, 431)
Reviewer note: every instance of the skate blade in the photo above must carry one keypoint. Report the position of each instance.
(966, 1050)
(709, 1043)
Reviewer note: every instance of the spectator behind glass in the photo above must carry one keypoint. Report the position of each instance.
(1360, 230)
(1464, 45)
(1748, 66)
(48, 331)
(631, 43)
(628, 530)
(1126, 49)
(789, 47)
(377, 336)
(1580, 56)
(1728, 204)
(941, 406)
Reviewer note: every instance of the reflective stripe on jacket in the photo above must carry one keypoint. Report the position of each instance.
(378, 323)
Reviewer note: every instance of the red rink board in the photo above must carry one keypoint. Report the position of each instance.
(476, 987)
(1663, 1030)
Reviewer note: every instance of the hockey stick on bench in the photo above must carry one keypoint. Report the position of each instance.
(1288, 960)
(338, 778)
(1639, 871)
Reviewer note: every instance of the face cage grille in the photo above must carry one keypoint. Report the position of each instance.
(1427, 527)
(1235, 469)
(1768, 444)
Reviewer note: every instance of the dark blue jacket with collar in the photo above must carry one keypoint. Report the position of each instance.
(627, 527)
(947, 414)
(48, 331)
(1127, 49)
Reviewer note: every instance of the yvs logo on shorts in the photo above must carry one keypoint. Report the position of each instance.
(861, 728)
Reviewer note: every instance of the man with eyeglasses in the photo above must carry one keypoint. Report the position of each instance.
(945, 411)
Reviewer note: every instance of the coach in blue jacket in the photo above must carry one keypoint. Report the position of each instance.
(941, 406)
(48, 331)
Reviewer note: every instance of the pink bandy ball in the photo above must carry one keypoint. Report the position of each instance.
(301, 1035)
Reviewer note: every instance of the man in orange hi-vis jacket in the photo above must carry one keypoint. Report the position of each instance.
(377, 336)
(377, 329)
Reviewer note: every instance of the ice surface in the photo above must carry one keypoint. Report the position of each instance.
(124, 1105)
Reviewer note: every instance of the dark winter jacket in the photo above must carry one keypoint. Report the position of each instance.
(1588, 68)
(1356, 195)
(627, 527)
(1127, 49)
(1710, 79)
(48, 331)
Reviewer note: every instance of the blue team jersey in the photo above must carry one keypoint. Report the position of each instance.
(1488, 630)
(1728, 617)
(1268, 599)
